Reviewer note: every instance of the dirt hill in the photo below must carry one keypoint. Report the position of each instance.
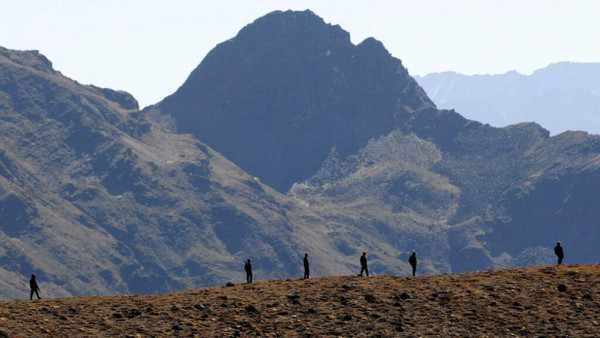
(536, 301)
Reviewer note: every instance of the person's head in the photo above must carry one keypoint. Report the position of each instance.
(414, 253)
(558, 243)
(364, 253)
(305, 254)
(32, 276)
(249, 260)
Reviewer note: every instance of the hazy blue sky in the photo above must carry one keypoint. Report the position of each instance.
(149, 47)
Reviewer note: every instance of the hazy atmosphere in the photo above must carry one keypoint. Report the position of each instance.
(280, 168)
(148, 48)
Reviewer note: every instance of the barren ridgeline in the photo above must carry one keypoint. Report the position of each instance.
(535, 301)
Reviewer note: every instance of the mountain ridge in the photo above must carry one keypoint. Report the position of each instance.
(561, 96)
(96, 199)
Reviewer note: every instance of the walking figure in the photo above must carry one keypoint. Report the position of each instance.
(558, 251)
(248, 268)
(412, 260)
(33, 285)
(306, 267)
(363, 264)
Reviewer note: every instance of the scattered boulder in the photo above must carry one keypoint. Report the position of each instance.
(294, 299)
(131, 313)
(251, 309)
(370, 298)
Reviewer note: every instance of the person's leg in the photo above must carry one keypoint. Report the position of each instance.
(37, 293)
(367, 271)
(31, 295)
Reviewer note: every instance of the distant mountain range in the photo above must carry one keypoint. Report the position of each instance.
(285, 139)
(563, 96)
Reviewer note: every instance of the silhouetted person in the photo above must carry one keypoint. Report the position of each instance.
(33, 285)
(306, 267)
(558, 251)
(412, 260)
(363, 264)
(248, 268)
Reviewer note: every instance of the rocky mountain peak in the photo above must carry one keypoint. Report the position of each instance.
(29, 58)
(292, 25)
(276, 98)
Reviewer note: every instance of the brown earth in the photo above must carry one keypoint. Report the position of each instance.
(507, 302)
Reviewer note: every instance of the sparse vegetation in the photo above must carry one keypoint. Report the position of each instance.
(538, 301)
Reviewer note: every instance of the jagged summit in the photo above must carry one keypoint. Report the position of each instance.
(292, 24)
(286, 90)
(29, 58)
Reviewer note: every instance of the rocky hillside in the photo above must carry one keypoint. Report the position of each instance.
(95, 199)
(344, 130)
(287, 89)
(562, 96)
(539, 301)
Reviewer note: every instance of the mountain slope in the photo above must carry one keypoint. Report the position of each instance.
(563, 96)
(286, 90)
(545, 300)
(95, 199)
(344, 130)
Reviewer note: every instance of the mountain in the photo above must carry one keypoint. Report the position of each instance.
(540, 301)
(287, 89)
(95, 199)
(563, 96)
(343, 129)
(285, 139)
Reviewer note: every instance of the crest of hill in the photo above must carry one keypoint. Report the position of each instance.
(544, 300)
